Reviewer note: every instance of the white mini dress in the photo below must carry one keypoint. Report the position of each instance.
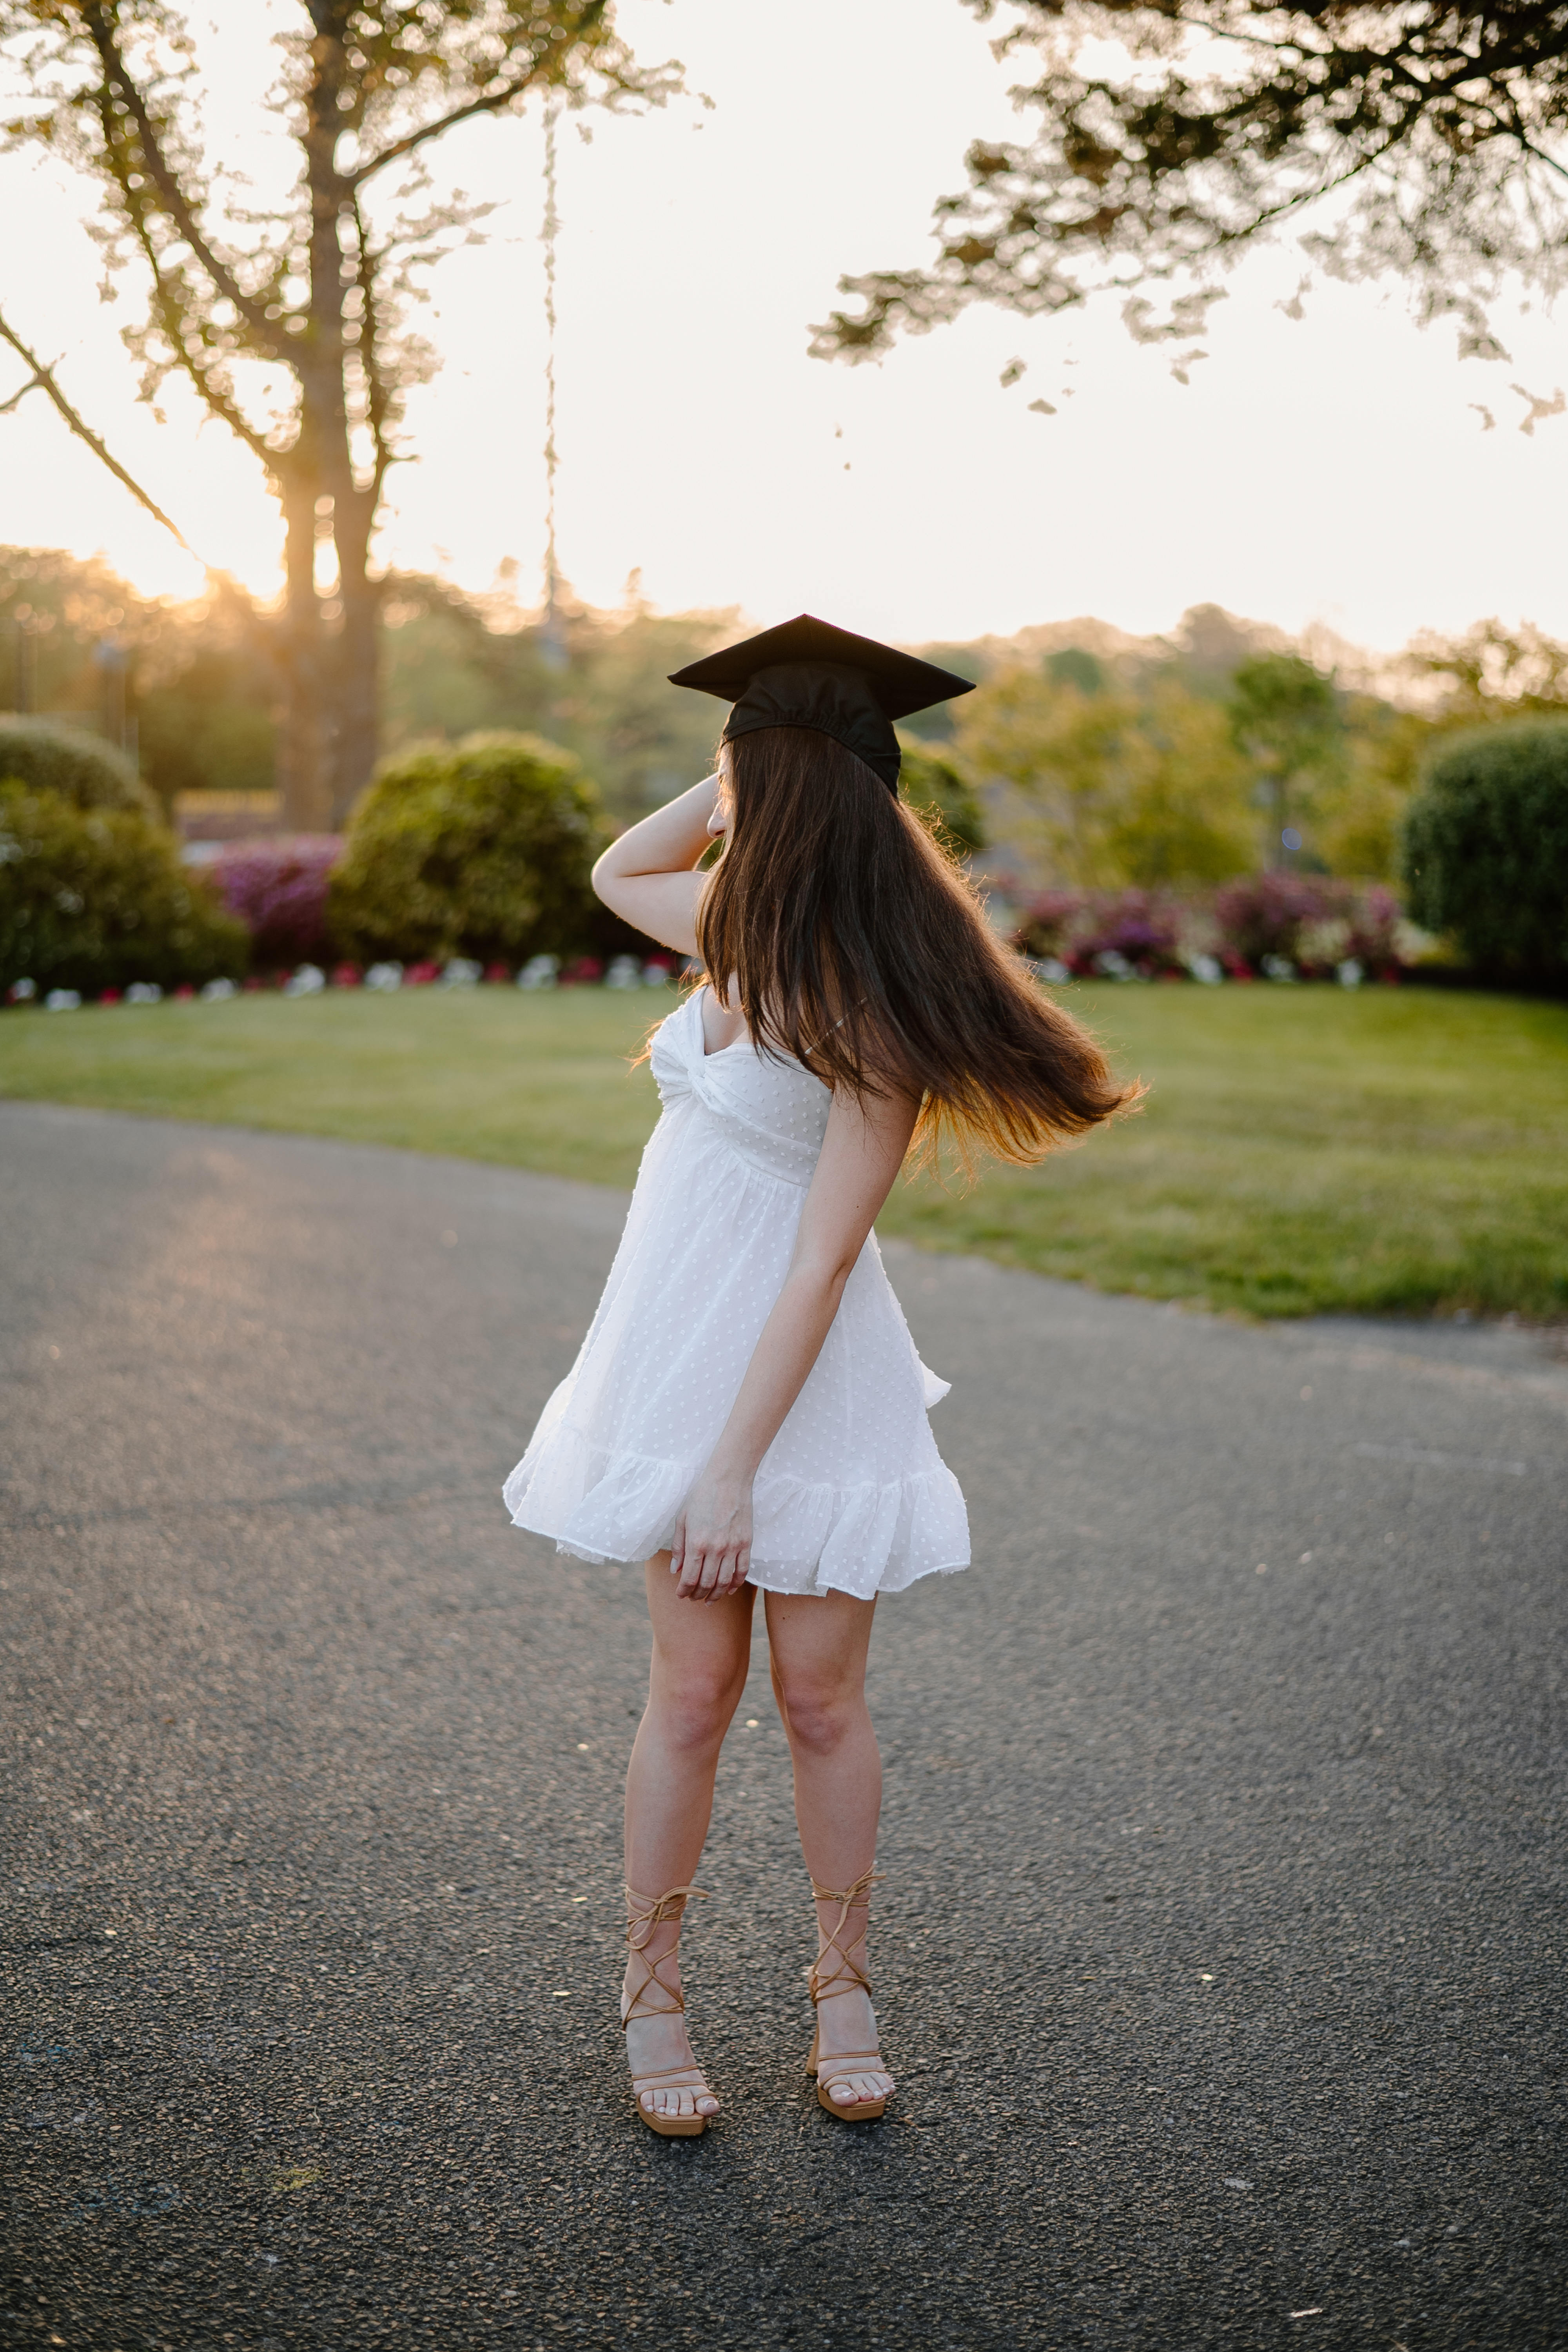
(852, 1494)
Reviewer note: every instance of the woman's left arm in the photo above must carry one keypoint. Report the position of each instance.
(862, 1155)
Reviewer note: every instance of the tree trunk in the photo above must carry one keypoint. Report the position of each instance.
(339, 703)
(356, 656)
(304, 771)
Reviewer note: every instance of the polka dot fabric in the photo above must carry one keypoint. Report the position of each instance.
(852, 1494)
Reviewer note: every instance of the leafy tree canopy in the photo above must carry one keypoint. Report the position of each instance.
(291, 318)
(1496, 672)
(1424, 139)
(1109, 789)
(454, 663)
(942, 796)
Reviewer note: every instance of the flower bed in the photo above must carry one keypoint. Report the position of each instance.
(1278, 926)
(278, 890)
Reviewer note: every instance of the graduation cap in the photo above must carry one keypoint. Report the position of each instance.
(806, 673)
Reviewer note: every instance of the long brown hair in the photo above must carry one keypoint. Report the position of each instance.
(858, 945)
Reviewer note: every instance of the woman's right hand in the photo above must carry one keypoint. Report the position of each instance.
(648, 873)
(712, 1553)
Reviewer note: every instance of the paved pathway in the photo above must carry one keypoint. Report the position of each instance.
(1221, 1951)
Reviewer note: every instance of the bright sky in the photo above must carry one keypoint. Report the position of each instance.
(1328, 469)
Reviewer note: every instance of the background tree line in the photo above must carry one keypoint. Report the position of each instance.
(202, 683)
(1102, 763)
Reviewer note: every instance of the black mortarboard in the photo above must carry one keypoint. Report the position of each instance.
(806, 673)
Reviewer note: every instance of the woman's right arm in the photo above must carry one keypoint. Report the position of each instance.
(647, 875)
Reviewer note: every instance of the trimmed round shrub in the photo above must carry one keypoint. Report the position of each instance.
(1485, 849)
(481, 848)
(95, 898)
(78, 766)
(278, 890)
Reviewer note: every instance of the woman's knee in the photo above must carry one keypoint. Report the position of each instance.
(819, 1714)
(693, 1703)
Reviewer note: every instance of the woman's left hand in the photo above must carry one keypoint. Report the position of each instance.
(713, 1549)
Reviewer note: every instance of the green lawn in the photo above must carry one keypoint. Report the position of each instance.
(1302, 1149)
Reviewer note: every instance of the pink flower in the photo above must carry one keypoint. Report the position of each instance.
(278, 890)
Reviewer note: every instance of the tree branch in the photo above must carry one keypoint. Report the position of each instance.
(378, 397)
(177, 205)
(39, 382)
(563, 44)
(490, 105)
(42, 378)
(170, 317)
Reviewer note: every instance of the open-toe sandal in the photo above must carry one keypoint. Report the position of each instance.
(648, 1913)
(846, 1975)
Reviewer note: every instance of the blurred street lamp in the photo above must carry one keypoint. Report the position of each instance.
(113, 661)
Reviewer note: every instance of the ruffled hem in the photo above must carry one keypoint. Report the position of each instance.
(602, 1504)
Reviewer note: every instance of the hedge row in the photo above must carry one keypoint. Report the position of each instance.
(482, 851)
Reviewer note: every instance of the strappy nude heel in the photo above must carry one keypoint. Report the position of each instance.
(651, 1912)
(847, 1976)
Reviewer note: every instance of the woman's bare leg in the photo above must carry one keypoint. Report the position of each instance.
(818, 1649)
(701, 1651)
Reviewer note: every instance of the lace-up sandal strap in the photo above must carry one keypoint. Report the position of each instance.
(649, 1912)
(843, 2063)
(846, 1974)
(667, 2075)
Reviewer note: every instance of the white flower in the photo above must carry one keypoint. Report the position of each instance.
(143, 991)
(1050, 969)
(309, 980)
(1349, 974)
(218, 992)
(1411, 944)
(461, 973)
(1278, 968)
(539, 971)
(1208, 968)
(1112, 964)
(62, 1000)
(385, 977)
(625, 972)
(655, 975)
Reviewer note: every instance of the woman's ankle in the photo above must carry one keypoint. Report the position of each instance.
(667, 1982)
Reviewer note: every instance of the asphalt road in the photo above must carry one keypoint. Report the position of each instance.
(1220, 1955)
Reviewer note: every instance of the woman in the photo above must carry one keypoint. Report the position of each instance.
(747, 1412)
